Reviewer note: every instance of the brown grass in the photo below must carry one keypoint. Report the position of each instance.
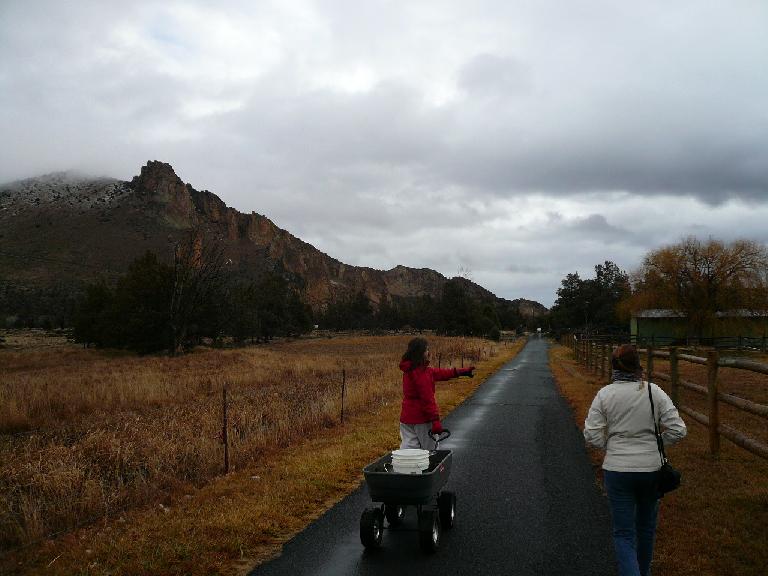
(717, 522)
(123, 446)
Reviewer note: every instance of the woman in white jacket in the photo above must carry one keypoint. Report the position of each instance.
(620, 422)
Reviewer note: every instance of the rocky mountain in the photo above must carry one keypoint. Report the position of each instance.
(62, 230)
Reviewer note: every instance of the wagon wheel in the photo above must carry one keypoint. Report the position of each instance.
(394, 513)
(446, 504)
(429, 530)
(371, 527)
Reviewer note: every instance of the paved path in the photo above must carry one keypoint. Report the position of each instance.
(527, 500)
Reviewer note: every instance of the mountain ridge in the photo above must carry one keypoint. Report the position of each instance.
(103, 223)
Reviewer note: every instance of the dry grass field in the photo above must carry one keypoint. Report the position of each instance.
(742, 383)
(716, 524)
(111, 463)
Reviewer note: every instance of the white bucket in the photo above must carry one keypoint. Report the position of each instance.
(410, 460)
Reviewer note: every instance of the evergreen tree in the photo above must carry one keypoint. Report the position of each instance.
(298, 315)
(92, 315)
(591, 304)
(141, 315)
(243, 313)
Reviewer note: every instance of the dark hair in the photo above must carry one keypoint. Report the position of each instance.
(626, 359)
(416, 350)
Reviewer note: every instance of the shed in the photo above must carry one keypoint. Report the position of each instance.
(671, 326)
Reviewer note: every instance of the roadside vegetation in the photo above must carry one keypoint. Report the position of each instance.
(717, 522)
(112, 463)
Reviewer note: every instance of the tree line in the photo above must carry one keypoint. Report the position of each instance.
(694, 278)
(156, 306)
(455, 313)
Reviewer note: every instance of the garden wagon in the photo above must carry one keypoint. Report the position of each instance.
(435, 507)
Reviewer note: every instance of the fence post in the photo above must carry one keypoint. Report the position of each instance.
(674, 376)
(649, 369)
(576, 348)
(462, 359)
(610, 360)
(224, 435)
(596, 359)
(603, 359)
(343, 391)
(714, 417)
(595, 352)
(439, 359)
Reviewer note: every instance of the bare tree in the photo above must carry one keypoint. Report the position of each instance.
(700, 279)
(198, 276)
(464, 271)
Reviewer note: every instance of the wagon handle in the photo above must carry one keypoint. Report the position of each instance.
(444, 435)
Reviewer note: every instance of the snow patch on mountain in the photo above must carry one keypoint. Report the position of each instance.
(60, 190)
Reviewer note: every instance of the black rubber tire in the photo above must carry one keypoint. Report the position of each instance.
(446, 504)
(429, 531)
(394, 514)
(371, 527)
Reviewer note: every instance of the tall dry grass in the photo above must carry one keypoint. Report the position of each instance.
(87, 434)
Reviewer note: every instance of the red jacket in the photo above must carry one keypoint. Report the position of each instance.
(419, 404)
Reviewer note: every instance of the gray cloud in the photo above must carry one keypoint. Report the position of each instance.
(491, 75)
(500, 135)
(597, 226)
(523, 268)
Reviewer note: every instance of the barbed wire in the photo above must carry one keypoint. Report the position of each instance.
(247, 395)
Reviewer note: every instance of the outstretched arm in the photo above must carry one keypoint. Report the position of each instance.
(439, 374)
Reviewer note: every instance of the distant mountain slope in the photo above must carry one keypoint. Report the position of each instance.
(62, 230)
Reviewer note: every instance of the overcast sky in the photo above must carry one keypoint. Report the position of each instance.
(518, 140)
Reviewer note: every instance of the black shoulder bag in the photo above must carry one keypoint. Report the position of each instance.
(668, 478)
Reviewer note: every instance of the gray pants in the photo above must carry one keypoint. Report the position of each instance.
(416, 436)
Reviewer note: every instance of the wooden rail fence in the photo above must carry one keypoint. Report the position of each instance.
(595, 353)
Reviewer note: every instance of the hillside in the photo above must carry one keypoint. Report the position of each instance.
(62, 230)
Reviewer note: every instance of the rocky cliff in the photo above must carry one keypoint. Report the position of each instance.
(62, 228)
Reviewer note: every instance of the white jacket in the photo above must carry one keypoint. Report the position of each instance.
(619, 421)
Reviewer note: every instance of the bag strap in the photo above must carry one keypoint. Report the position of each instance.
(659, 440)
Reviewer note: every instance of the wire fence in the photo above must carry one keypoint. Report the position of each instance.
(54, 481)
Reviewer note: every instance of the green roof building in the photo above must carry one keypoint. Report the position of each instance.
(730, 328)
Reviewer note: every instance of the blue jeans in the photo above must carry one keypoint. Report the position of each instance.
(634, 507)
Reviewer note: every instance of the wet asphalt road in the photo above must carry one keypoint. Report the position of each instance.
(526, 496)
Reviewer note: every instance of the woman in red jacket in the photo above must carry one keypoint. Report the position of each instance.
(420, 416)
